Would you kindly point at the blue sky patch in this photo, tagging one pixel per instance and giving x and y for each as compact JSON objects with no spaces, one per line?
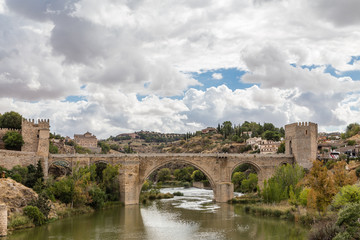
{"x":231,"y":77}
{"x":75,"y":99}
{"x":354,"y":59}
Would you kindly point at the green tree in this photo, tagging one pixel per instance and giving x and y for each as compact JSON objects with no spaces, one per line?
{"x":198,"y":176}
{"x":105,"y":148}
{"x":164,"y":174}
{"x":10,"y":120}
{"x":271,"y":135}
{"x":352,"y":129}
{"x":281,"y":148}
{"x":110,"y":183}
{"x":13,"y":140}
{"x":278,"y":186}
{"x":53,"y":149}
{"x":227,"y":129}
{"x":249,"y":184}
{"x":236,"y":179}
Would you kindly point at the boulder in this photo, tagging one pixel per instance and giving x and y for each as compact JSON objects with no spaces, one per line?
{"x":15,"y":195}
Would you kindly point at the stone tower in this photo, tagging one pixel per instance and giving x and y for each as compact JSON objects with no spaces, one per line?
{"x":301,"y":141}
{"x":36,"y":136}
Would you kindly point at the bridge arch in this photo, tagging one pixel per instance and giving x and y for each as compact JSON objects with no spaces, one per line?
{"x":60,"y":168}
{"x":150,"y":170}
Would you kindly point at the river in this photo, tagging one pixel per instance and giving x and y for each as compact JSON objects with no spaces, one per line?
{"x":192,"y":216}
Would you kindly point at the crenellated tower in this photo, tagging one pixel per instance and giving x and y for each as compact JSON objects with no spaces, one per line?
{"x":301,"y":141}
{"x":36,"y":136}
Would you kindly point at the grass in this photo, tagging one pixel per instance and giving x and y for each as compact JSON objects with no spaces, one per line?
{"x":19,"y":221}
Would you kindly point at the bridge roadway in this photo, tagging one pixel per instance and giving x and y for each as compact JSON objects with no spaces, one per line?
{"x":218,"y":168}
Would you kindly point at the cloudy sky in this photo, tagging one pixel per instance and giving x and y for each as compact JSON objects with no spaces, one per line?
{"x":115,"y":66}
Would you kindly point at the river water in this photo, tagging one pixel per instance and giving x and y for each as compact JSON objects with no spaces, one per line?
{"x":192,"y":216}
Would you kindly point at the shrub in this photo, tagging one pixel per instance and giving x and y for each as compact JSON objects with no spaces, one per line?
{"x":18,"y":220}
{"x":178,"y":194}
{"x":347,"y":194}
{"x":303,"y":196}
{"x":278,"y":186}
{"x":357,"y":171}
{"x":97,"y":197}
{"x":42,"y":203}
{"x":53,"y":149}
{"x":348,"y":221}
{"x":35,"y":215}
{"x":324,"y":230}
{"x":13,"y":140}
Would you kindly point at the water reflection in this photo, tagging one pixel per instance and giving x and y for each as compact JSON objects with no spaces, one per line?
{"x":192,"y":216}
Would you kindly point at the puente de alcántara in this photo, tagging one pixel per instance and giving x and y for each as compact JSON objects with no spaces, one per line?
{"x":300,"y":147}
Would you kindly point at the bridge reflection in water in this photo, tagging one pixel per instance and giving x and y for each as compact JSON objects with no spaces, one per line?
{"x":193,"y":216}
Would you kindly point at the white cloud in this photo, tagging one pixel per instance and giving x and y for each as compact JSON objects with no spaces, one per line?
{"x":217,"y":76}
{"x":121,"y":50}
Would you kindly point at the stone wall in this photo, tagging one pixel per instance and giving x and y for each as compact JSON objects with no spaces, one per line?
{"x":9,"y":159}
{"x":3,"y":220}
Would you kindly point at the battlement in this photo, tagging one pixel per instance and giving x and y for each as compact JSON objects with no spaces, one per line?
{"x":43,"y":123}
{"x":302,"y":124}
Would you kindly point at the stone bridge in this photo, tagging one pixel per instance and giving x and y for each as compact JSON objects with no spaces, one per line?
{"x":136,"y":168}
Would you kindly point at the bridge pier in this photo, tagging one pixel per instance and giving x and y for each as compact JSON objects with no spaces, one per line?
{"x":223,"y":192}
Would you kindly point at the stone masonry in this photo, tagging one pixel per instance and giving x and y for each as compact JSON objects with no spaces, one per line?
{"x":301,"y":142}
{"x":3,"y":220}
{"x":135,"y":168}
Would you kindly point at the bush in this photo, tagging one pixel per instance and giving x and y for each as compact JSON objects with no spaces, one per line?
{"x":18,"y":220}
{"x":357,"y":171}
{"x":35,"y":215}
{"x":347,"y":194}
{"x":13,"y":140}
{"x":53,"y":149}
{"x":348,"y":221}
{"x":98,"y":197}
{"x":278,"y":186}
{"x":42,"y":203}
{"x":178,"y":194}
{"x":324,"y":230}
{"x":303,"y":196}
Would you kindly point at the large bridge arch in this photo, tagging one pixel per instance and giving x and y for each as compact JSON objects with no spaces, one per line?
{"x":148,"y":171}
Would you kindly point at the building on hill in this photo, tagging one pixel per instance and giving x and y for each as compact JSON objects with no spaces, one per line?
{"x":209,"y":130}
{"x":86,"y":140}
{"x":268,"y":146}
{"x":130,"y":135}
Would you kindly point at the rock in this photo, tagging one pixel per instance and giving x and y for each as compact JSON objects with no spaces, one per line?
{"x":15,"y":195}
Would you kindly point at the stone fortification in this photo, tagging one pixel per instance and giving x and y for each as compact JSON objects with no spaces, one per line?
{"x":301,"y":141}
{"x":86,"y":140}
{"x":36,"y":136}
{"x":3,"y":220}
{"x":9,"y":159}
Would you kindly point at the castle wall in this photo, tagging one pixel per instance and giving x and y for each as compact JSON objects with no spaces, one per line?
{"x":3,"y":220}
{"x":9,"y":159}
